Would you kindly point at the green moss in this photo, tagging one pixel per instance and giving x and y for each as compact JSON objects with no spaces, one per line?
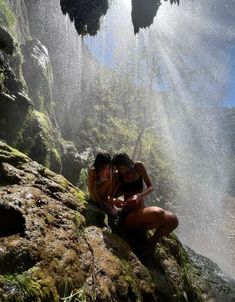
{"x":127,"y":285}
{"x":33,"y":285}
{"x":195,"y":285}
{"x":11,"y":155}
{"x":2,"y":78}
{"x":16,"y":62}
{"x":130,"y":280}
{"x":7,"y":18}
{"x":43,"y":121}
{"x":62,"y":181}
{"x":15,"y":112}
{"x":48,"y":131}
{"x":44,"y":146}
{"x":55,"y":160}
{"x":18,"y":141}
{"x":79,"y":220}
{"x":79,"y":195}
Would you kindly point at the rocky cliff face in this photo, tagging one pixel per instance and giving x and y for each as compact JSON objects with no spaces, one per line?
{"x":27,"y":117}
{"x":53,"y":244}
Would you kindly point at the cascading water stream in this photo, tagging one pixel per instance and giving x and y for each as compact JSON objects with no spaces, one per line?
{"x":183,"y":62}
{"x":184,"y":57}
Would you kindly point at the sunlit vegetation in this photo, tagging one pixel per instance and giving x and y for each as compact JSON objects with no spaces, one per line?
{"x":117,"y":117}
{"x":7,"y":18}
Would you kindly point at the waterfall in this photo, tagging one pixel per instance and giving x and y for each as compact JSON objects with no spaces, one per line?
{"x":22,"y":28}
{"x":56,"y":32}
{"x":184,"y":61}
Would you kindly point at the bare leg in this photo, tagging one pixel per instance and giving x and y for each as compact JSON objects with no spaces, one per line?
{"x":152,"y":218}
{"x":170,"y":223}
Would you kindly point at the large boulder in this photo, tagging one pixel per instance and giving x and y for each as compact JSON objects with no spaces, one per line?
{"x":14,"y":103}
{"x":6,"y":40}
{"x":72,"y":162}
{"x":51,"y":246}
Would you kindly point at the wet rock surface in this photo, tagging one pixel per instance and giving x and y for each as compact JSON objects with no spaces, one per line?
{"x":52,"y":244}
{"x":37,"y":73}
{"x":222,"y":284}
{"x":14,"y":101}
{"x":71,"y":162}
{"x":6,"y":40}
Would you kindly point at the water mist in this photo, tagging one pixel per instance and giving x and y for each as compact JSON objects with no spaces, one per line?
{"x":183,"y":62}
{"x":184,"y":58}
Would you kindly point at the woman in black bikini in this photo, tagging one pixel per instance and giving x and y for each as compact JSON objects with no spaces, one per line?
{"x":132,"y":176}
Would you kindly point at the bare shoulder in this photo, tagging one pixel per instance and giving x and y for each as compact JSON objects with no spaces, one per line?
{"x":139,"y":166}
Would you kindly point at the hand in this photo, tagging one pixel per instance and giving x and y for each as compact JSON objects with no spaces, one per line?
{"x":116,"y":202}
{"x":134,"y":202}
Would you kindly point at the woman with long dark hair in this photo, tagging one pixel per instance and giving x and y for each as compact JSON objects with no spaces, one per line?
{"x":100,"y":178}
{"x":101,"y":182}
{"x":132,"y":177}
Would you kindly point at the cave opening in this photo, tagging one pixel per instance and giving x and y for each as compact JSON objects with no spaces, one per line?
{"x":11,"y":221}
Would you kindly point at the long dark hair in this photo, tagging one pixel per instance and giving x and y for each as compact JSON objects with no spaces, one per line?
{"x":101,"y":160}
{"x":122,"y":159}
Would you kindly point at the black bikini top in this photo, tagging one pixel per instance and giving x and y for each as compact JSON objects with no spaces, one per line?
{"x":132,"y":186}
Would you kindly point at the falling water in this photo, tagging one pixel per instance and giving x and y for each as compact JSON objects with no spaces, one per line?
{"x":183,"y":61}
{"x":184,"y":58}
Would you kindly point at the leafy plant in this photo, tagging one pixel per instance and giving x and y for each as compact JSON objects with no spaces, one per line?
{"x":78,"y":296}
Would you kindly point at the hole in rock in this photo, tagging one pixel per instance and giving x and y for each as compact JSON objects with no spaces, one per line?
{"x":11,"y":221}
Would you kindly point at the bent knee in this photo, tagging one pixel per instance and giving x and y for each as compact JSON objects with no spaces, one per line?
{"x":174,"y":220}
{"x":158,"y":214}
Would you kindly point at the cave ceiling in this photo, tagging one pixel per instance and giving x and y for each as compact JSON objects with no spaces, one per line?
{"x":86,"y":14}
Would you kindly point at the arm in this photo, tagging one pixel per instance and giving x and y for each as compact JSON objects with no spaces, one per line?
{"x":137,"y":200}
{"x":91,"y":185}
{"x":140,"y":168}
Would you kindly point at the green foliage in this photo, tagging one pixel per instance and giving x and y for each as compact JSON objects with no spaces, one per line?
{"x":117,"y":117}
{"x":33,"y":285}
{"x":78,"y":296}
{"x":2,"y":78}
{"x":71,"y":296}
{"x":7,"y":18}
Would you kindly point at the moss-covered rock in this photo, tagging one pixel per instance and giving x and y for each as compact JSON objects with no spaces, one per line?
{"x":71,"y":162}
{"x":33,"y":285}
{"x":7,"y":17}
{"x":54,"y":249}
{"x":40,"y":139}
{"x":26,"y":82}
